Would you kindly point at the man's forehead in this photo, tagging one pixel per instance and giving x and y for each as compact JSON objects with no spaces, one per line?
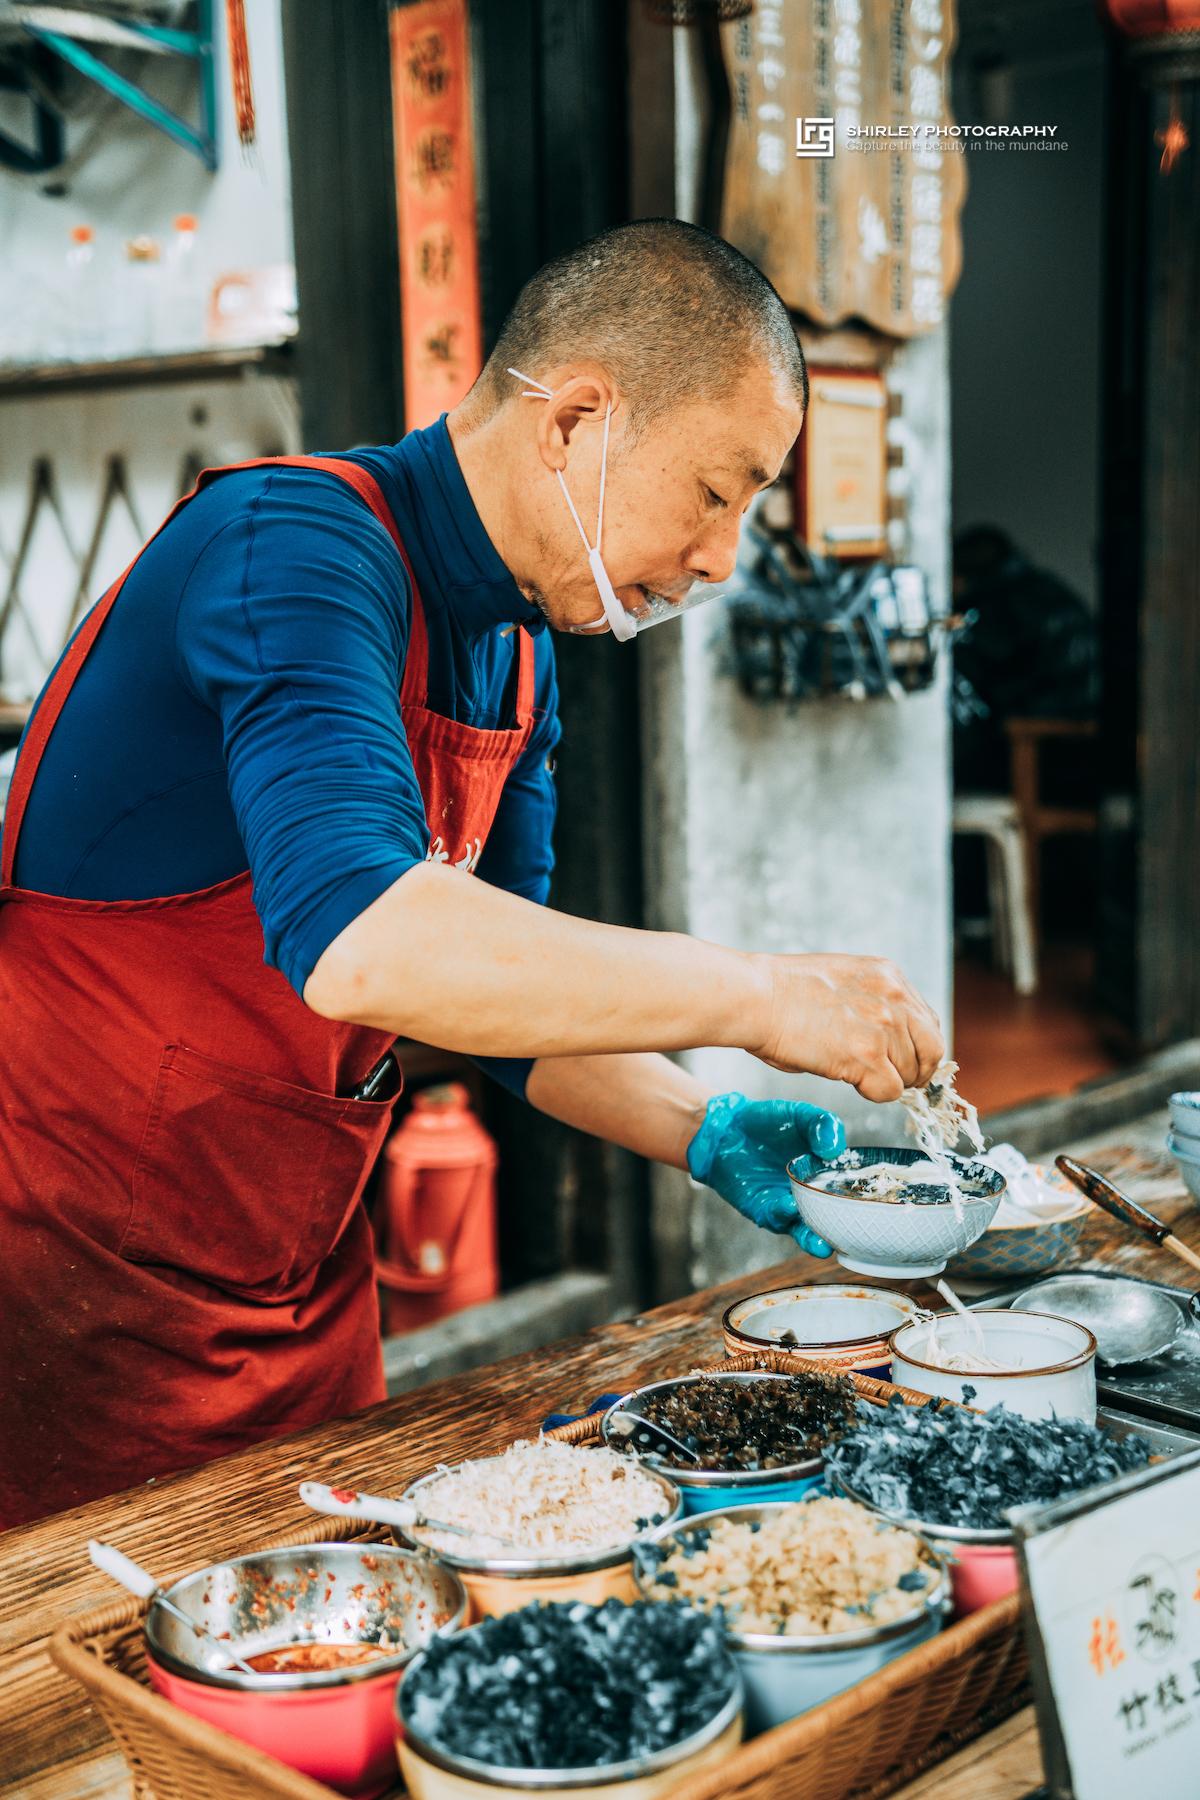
{"x":743,"y":463}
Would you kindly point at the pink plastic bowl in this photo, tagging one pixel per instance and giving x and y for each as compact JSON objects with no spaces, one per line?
{"x":979,"y":1573}
{"x":336,"y":1725}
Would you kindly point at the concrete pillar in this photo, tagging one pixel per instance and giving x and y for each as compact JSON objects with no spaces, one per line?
{"x":821,"y":826}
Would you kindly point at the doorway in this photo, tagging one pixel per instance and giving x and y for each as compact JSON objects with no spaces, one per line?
{"x":1026,"y":332}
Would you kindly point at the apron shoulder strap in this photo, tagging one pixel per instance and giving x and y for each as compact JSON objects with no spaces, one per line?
{"x":54,"y":695}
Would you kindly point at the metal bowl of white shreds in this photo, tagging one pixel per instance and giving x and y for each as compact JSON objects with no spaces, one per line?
{"x":566,"y":1509}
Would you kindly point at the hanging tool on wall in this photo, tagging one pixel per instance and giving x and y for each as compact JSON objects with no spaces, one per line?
{"x":803,"y":625}
{"x":239,"y":69}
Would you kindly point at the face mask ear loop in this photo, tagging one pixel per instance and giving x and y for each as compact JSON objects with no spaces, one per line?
{"x":535,"y":390}
{"x":603,"y":476}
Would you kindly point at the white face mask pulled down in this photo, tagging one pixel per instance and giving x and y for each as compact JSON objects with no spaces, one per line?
{"x":624,"y":622}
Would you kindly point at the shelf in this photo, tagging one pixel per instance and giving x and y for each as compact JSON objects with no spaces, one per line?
{"x":14,"y":715}
{"x":217,"y":364}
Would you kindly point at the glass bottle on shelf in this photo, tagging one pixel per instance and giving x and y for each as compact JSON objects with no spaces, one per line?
{"x":139,"y":297}
{"x":180,"y":322}
{"x":79,"y":337}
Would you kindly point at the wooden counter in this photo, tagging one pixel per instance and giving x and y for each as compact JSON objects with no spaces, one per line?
{"x":53,"y":1746}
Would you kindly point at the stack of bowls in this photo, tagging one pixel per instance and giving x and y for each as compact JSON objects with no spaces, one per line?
{"x":840,"y":1325}
{"x":500,"y":1584}
{"x":334,"y":1725}
{"x":703,"y":1490}
{"x":785,"y":1676}
{"x":1183,"y":1139}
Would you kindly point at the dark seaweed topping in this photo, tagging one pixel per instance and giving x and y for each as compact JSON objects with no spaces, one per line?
{"x":752,"y":1425}
{"x":945,"y":1466}
{"x":569,"y":1687}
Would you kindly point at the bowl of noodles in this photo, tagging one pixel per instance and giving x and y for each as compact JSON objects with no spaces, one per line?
{"x":894,"y":1212}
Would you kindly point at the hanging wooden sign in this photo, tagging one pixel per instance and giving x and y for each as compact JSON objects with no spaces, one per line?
{"x":846,"y":223}
{"x":435,"y":203}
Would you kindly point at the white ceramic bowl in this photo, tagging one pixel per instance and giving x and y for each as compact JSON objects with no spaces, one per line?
{"x":896,"y":1238}
{"x":1049,"y":1363}
{"x":839,"y":1323}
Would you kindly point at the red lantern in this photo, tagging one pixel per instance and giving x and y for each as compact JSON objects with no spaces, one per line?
{"x":1153,"y":18}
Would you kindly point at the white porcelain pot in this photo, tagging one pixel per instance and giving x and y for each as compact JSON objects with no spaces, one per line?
{"x":1049,"y":1363}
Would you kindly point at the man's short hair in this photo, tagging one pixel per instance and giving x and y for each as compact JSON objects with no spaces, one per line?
{"x":672,"y":312}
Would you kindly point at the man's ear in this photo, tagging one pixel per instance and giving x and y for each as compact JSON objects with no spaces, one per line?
{"x":582,"y":400}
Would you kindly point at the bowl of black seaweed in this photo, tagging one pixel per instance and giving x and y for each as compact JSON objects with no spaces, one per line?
{"x":557,"y":1699}
{"x":951,"y":1475}
{"x":757,"y":1436}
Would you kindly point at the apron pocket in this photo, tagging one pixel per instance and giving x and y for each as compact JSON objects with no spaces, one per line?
{"x":245,"y":1181}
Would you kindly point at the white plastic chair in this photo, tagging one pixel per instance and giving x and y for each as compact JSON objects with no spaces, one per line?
{"x":995,"y":818}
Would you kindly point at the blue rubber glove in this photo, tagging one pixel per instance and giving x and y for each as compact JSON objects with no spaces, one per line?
{"x":742,"y":1151}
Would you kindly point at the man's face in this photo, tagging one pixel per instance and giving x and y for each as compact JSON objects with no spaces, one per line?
{"x":674,"y":499}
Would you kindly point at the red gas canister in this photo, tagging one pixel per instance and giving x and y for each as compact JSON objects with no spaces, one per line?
{"x":436,"y":1232}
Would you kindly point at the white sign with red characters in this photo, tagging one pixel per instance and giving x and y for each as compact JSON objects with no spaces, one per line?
{"x":1114,"y":1580}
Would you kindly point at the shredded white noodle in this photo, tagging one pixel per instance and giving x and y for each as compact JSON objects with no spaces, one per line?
{"x":549,"y":1498}
{"x":937,"y":1118}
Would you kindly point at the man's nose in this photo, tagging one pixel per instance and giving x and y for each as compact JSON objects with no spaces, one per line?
{"x":713,"y":557}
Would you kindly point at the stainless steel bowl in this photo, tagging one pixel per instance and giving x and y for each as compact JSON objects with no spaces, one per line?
{"x":934,"y":1601}
{"x":925,"y":1528}
{"x":577,"y":1563}
{"x":326,"y":1593}
{"x":712,"y":1478}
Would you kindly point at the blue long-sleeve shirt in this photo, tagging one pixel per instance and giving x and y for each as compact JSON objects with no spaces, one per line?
{"x":240,"y":708}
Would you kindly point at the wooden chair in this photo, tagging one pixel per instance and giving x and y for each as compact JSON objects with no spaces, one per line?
{"x":1039,"y":820}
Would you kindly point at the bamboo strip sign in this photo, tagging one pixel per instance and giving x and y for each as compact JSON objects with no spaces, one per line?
{"x":847,"y":224}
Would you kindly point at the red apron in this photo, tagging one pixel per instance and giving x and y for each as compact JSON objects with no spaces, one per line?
{"x":185,"y":1259}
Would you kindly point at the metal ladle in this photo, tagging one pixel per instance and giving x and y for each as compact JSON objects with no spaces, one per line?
{"x":1131,"y":1321}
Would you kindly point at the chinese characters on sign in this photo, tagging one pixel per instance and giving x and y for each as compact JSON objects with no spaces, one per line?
{"x":435,"y":203}
{"x":846,"y":226}
{"x":1116,"y":1592}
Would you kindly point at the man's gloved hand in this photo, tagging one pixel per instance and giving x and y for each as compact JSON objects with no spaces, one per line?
{"x":742,"y":1151}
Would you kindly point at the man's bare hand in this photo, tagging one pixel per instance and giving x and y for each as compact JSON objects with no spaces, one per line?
{"x":850,"y":1018}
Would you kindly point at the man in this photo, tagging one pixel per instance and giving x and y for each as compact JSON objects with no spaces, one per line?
{"x":236,"y":863}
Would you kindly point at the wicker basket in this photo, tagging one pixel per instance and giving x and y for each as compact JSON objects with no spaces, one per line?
{"x":860,"y":1745}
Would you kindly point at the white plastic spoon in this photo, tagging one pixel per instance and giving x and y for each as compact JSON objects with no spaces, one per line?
{"x":130,"y":1575}
{"x":348,"y":1503}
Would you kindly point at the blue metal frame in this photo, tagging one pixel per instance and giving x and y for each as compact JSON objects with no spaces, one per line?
{"x":198,"y":45}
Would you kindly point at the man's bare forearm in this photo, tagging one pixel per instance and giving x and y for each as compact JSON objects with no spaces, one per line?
{"x":644,"y":1103}
{"x":451,"y":961}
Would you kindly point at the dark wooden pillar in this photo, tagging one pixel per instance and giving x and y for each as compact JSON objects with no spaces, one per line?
{"x":1150,"y":554}
{"x":552,"y":106}
{"x":339,"y":109}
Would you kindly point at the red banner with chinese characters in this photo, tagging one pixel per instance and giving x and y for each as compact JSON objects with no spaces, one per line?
{"x":435,"y":203}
